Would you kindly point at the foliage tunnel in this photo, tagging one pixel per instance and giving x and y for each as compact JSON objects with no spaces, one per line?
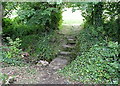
{"x":97,"y":46}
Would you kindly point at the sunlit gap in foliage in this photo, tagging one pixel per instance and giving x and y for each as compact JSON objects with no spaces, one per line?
{"x":13,"y":14}
{"x":72,"y":16}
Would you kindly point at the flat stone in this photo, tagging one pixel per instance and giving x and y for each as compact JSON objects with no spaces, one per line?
{"x":70,"y":40}
{"x":64,"y":57}
{"x":70,"y":37}
{"x":65,"y":53}
{"x":42,"y":63}
{"x":58,"y":63}
{"x":68,"y":46}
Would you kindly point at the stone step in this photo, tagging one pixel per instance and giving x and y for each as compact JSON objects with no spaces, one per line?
{"x":64,"y":57}
{"x":68,"y":46}
{"x":58,"y":63}
{"x":63,"y":53}
{"x":70,"y":37}
{"x":71,"y":41}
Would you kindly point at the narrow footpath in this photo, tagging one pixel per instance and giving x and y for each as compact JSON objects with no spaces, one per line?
{"x":48,"y":74}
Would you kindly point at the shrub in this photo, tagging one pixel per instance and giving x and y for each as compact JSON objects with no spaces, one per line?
{"x":12,"y":53}
{"x":41,"y":47}
{"x":13,"y":29}
{"x":3,"y":77}
{"x":44,"y":49}
{"x":86,"y":39}
{"x":8,"y":26}
{"x":18,"y":31}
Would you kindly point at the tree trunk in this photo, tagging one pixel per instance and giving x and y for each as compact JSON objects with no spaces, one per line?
{"x":0,"y":24}
{"x":0,"y":37}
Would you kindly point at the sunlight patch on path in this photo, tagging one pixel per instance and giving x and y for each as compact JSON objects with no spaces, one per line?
{"x":68,"y":29}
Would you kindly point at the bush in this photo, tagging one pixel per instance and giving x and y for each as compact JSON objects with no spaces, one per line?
{"x":7,"y":27}
{"x":87,"y":38}
{"x":3,"y":78}
{"x":13,"y":29}
{"x":111,"y":29}
{"x":14,"y":51}
{"x":18,"y":31}
{"x":11,"y":54}
{"x":24,"y":30}
{"x":41,"y":47}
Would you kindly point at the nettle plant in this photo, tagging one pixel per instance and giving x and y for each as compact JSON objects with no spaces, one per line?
{"x":13,"y":48}
{"x":3,"y":77}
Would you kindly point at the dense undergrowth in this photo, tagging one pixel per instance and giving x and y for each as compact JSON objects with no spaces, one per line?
{"x":44,"y":47}
{"x":11,"y":53}
{"x":39,"y":47}
{"x":97,"y":60}
{"x":35,"y":25}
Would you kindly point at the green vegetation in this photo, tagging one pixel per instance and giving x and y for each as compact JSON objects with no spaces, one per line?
{"x":3,"y":77}
{"x":12,"y":53}
{"x":35,"y":24}
{"x":36,"y":30}
{"x":97,"y":60}
{"x":14,"y":50}
{"x":97,"y":48}
{"x":43,"y":47}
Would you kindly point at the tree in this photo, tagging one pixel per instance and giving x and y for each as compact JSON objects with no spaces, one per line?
{"x":0,"y":24}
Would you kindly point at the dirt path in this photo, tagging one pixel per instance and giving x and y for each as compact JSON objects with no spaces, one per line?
{"x":36,"y":74}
